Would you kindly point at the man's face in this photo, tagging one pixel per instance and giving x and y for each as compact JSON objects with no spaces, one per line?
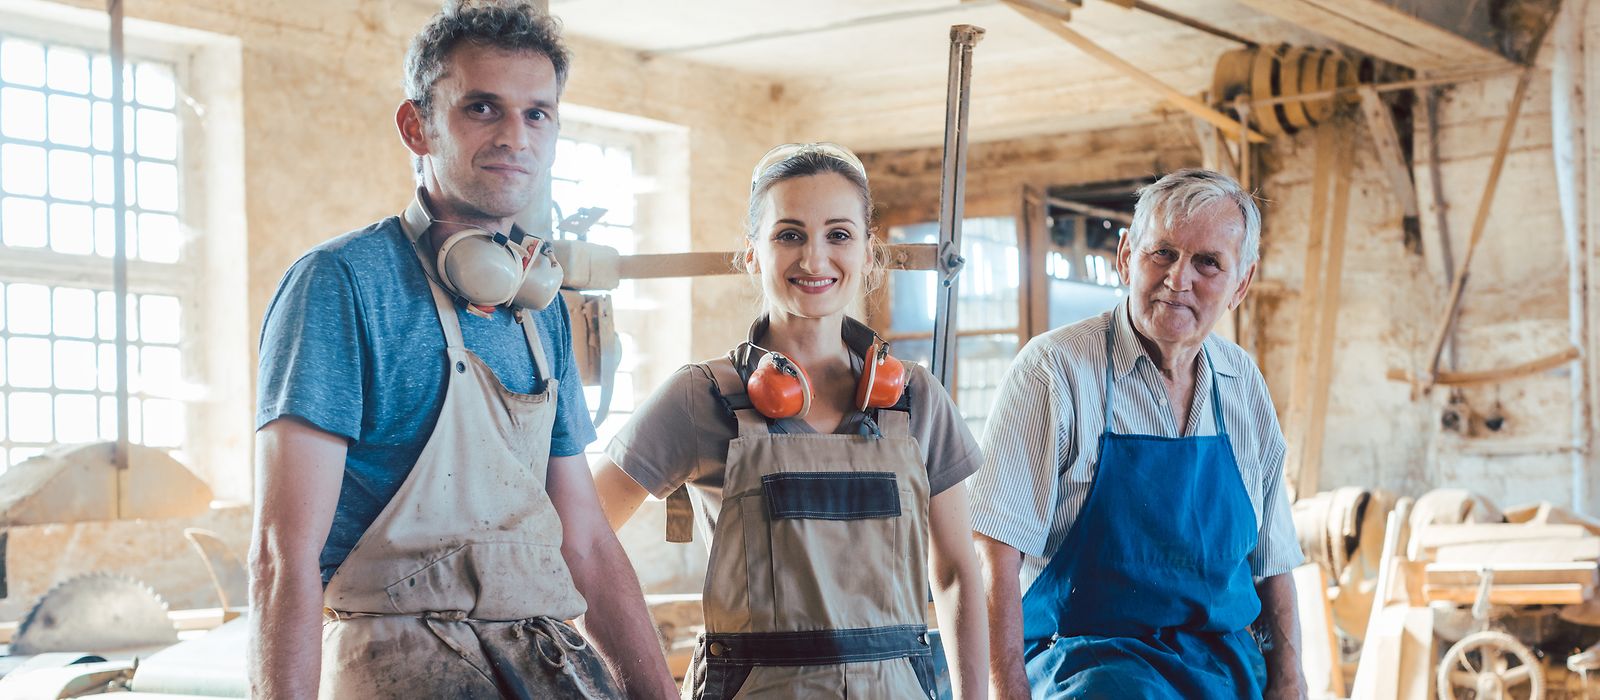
{"x":492,"y":132}
{"x":1180,"y":280}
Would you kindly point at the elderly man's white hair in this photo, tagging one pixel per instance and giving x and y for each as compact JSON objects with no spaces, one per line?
{"x":1180,"y":194}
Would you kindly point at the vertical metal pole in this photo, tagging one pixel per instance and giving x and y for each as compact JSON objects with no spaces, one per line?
{"x":119,"y":261}
{"x":952,"y":196}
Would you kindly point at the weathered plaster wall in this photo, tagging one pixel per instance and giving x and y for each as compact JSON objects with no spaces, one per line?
{"x":1514,"y":308}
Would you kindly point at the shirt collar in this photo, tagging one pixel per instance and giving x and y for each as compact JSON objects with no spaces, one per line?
{"x":1128,"y":350}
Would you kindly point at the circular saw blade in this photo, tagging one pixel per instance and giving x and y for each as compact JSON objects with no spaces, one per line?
{"x":95,"y":612}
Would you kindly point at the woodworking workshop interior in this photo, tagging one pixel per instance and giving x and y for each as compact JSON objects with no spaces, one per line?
{"x":943,"y":349}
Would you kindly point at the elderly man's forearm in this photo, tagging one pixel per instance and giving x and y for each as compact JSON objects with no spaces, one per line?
{"x":1277,"y":631}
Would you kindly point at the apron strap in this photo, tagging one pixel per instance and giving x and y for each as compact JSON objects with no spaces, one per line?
{"x":414,"y":228}
{"x":1110,"y":378}
{"x":731,"y":392}
{"x":1216,"y":394}
{"x":536,"y":345}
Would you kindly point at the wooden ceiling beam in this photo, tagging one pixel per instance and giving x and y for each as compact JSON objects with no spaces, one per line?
{"x":1377,"y":28}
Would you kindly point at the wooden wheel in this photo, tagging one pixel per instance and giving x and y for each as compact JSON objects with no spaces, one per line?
{"x":1490,"y":666}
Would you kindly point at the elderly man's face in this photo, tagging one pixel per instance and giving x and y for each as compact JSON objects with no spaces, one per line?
{"x":1181,"y":279}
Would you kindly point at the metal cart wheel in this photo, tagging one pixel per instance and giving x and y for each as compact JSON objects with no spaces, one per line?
{"x":1490,"y":666}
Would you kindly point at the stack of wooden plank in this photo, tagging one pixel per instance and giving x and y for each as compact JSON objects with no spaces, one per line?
{"x":1533,"y":563}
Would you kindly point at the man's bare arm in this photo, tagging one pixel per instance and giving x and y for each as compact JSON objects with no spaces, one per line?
{"x":617,"y":621}
{"x":1277,"y":630}
{"x":1002,"y":563}
{"x":299,"y":470}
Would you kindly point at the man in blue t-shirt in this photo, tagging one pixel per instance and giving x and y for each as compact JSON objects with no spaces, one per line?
{"x":354,"y":378}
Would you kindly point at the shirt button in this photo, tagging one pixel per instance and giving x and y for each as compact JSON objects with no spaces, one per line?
{"x":461,"y":367}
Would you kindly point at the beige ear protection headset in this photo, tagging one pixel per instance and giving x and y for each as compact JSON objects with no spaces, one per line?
{"x":486,"y":269}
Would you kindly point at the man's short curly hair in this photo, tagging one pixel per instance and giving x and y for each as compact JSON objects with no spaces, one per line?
{"x":503,"y":24}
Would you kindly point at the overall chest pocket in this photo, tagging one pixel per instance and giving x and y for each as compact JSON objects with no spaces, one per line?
{"x":837,"y":543}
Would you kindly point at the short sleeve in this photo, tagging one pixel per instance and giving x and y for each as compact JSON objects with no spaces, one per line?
{"x":1277,"y":548}
{"x":661,"y":443}
{"x":311,"y":348}
{"x":950,"y":449}
{"x":573,"y":429}
{"x":1014,"y":494}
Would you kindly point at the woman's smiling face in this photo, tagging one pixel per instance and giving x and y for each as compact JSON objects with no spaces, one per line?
{"x":810,"y":249}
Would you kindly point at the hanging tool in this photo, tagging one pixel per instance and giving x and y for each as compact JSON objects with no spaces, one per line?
{"x":952,"y":196}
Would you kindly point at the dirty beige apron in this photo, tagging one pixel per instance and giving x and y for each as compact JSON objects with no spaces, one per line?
{"x":459,"y":589}
{"x":817,"y":581}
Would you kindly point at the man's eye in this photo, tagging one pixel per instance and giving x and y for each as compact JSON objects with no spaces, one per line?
{"x":1162,"y":253}
{"x":1209,"y":262}
{"x":480,"y":108}
{"x":537,"y":115}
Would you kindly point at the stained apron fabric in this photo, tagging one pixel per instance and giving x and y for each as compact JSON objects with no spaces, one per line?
{"x":459,"y":588}
{"x":817,"y":581}
{"x":1151,"y":595}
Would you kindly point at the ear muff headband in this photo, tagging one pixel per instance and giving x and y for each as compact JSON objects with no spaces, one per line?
{"x":779,"y":388}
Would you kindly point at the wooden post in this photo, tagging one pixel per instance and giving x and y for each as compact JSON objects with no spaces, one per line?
{"x":1328,"y":321}
{"x":1310,"y":312}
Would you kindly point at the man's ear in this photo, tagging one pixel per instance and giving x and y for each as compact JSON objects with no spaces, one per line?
{"x":1124,"y":253}
{"x":1244,"y":286}
{"x":413,"y":130}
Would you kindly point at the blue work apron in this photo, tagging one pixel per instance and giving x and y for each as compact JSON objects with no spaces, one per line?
{"x":1151,"y":595}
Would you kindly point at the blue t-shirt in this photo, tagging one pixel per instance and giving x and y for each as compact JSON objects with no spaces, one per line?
{"x":352,"y":345}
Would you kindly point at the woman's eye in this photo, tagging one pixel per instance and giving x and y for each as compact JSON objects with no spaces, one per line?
{"x":840,"y":234}
{"x":787,"y":235}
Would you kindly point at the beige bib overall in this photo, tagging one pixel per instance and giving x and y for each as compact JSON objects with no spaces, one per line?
{"x":459,"y":588}
{"x":817,"y":579}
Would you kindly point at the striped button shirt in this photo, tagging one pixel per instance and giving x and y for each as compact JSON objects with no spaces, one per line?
{"x":1042,"y":439}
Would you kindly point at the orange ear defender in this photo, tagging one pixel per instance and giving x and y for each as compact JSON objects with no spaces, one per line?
{"x":778,"y":388}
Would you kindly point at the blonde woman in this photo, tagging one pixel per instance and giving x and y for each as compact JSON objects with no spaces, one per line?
{"x":826,"y":475}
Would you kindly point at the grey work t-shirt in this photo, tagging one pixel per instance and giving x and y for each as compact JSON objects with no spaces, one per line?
{"x":680,"y":435}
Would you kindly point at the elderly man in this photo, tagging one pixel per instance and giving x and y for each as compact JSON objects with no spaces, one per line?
{"x":1134,"y":485}
{"x":426,"y":521}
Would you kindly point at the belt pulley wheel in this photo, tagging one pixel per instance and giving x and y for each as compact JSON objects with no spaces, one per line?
{"x":1231,"y":78}
{"x":1264,"y":85}
{"x":1297,"y":62}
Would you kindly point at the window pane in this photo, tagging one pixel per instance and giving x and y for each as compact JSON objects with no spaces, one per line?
{"x":163,"y":423}
{"x":159,"y":319}
{"x":108,"y":316}
{"x":158,"y":134}
{"x":155,"y":85}
{"x":75,"y":365}
{"x":102,"y":126}
{"x":68,"y":70}
{"x":158,"y":186}
{"x":69,"y":121}
{"x":23,"y":116}
{"x":105,"y":234}
{"x":108,"y":418}
{"x":28,"y":362}
{"x":30,"y":417}
{"x":75,"y":419}
{"x":22,"y":169}
{"x":160,"y":370}
{"x":71,"y":176}
{"x":74,"y":312}
{"x":22,"y":62}
{"x":3,"y":426}
{"x":107,"y":361}
{"x":102,"y":76}
{"x":22,"y":222}
{"x":135,"y":427}
{"x":104,"y":187}
{"x":72,"y":229}
{"x":159,"y":238}
{"x":28,"y":308}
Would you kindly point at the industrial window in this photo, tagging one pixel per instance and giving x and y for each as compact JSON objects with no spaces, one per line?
{"x":600,"y":173}
{"x":57,"y":312}
{"x":987,"y":309}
